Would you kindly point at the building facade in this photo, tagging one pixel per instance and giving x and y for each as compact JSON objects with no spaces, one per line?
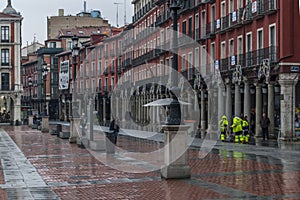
{"x":239,"y":57}
{"x":10,"y":47}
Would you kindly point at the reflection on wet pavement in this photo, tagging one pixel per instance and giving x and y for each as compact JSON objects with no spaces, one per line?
{"x":37,"y":165}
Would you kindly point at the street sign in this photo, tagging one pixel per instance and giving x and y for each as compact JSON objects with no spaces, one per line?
{"x":294,"y":68}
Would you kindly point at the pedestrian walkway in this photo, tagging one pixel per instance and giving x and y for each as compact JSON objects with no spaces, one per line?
{"x":38,"y":165}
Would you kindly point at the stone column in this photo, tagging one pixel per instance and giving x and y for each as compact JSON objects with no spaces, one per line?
{"x":176,"y":152}
{"x":221,"y":101}
{"x":74,"y":129}
{"x":90,"y":121}
{"x":237,"y":100}
{"x":202,"y":113}
{"x":270,"y":113}
{"x":247,"y":98}
{"x":287,"y":105}
{"x":258,"y":114}
{"x":30,"y":121}
{"x":228,"y":103}
{"x":45,"y":124}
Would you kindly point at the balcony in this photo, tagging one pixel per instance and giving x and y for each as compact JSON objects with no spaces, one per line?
{"x":211,"y":30}
{"x":126,"y":63}
{"x":161,"y":19}
{"x":250,"y":59}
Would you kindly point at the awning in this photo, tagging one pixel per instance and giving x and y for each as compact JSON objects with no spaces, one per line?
{"x":164,"y":102}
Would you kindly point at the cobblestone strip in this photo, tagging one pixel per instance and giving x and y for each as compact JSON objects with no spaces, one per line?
{"x":22,"y":181}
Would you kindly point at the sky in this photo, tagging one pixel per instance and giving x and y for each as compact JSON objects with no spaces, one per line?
{"x":35,"y":13}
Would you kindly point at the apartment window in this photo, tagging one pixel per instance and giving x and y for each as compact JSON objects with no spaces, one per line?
{"x":223,"y":50}
{"x":213,"y":51}
{"x":93,"y":68}
{"x":112,"y":82}
{"x":99,"y":68}
{"x":260,"y":39}
{"x":167,"y":34}
{"x":5,"y":81}
{"x":100,"y":52}
{"x":231,"y":47}
{"x":93,"y":84}
{"x":161,"y":67}
{"x":203,"y":22}
{"x":213,"y":13}
{"x":52,"y":45}
{"x":183,"y":63}
{"x":249,"y":42}
{"x":93,"y":54}
{"x":239,"y":49}
{"x":184,"y":27}
{"x":162,"y":36}
{"x":4,"y":33}
{"x":223,"y":9}
{"x":69,"y":45}
{"x":240,"y":3}
{"x":197,"y":58}
{"x":86,"y":70}
{"x":190,"y":65}
{"x":167,"y":66}
{"x":99,"y":84}
{"x":106,"y":50}
{"x":197,"y":26}
{"x":112,"y":64}
{"x":87,"y":84}
{"x":272,"y":35}
{"x":190,"y":26}
{"x":240,"y":45}
{"x":203,"y":60}
{"x":231,"y":6}
{"x":231,"y":52}
{"x":5,"y":57}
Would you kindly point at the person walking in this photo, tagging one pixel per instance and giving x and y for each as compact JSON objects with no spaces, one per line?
{"x":223,"y":126}
{"x":115,"y":128}
{"x":237,"y":128}
{"x":264,"y":123}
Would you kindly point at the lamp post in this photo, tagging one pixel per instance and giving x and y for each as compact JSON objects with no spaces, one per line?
{"x":30,"y":85}
{"x":75,"y":52}
{"x":174,"y":117}
{"x":44,"y":74}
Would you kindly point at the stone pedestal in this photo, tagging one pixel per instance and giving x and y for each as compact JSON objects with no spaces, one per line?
{"x":176,"y":154}
{"x":30,"y":121}
{"x":45,"y":124}
{"x":74,"y":129}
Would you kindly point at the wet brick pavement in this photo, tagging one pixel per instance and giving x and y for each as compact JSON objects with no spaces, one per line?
{"x":37,"y":165}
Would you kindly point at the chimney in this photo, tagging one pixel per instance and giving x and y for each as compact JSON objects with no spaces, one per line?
{"x":84,"y":6}
{"x":60,"y":12}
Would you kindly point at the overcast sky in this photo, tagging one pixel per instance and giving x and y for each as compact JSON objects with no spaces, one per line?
{"x":35,"y":13}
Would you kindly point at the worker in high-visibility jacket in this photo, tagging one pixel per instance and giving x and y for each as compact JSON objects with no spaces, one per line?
{"x":223,"y":126}
{"x":246,"y":134}
{"x":237,"y":128}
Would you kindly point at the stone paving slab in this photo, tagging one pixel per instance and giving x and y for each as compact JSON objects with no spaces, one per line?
{"x":229,"y":171}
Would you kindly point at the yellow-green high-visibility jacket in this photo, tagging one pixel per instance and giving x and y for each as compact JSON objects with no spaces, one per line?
{"x":223,"y":123}
{"x":237,"y":124}
{"x":245,"y":125}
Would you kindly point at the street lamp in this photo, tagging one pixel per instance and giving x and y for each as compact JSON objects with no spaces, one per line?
{"x":174,"y":117}
{"x":44,"y":74}
{"x":30,"y":85}
{"x":75,"y":52}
